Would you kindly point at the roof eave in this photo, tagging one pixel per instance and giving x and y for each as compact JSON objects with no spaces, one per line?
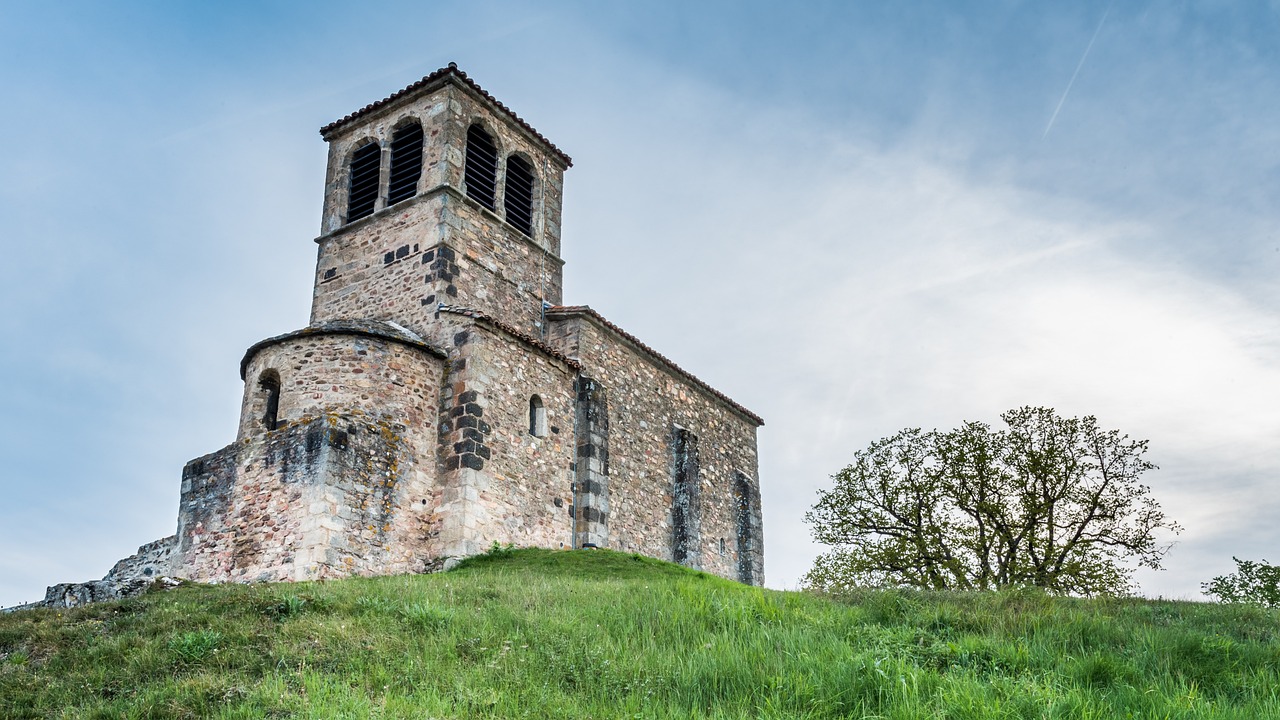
{"x":432,"y":81}
{"x":586,"y":311}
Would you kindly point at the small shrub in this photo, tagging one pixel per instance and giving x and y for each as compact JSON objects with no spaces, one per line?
{"x":17,"y":657}
{"x":1252,"y":582}
{"x":10,"y":637}
{"x":375,"y":605}
{"x":976,"y":655}
{"x":1023,"y":598}
{"x":1210,"y":663}
{"x":288,"y":606}
{"x":425,"y":617}
{"x":1101,"y":671}
{"x":948,"y":621}
{"x":197,"y":646}
{"x":498,"y":550}
{"x":892,"y":606}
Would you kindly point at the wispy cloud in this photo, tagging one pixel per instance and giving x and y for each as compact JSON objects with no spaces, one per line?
{"x":1079,"y":65}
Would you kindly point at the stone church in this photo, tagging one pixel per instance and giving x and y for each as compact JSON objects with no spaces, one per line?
{"x":442,"y":398}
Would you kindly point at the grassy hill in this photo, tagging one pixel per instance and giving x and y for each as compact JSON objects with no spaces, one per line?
{"x":598,"y":634}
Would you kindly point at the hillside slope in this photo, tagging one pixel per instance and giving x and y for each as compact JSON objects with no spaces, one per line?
{"x":598,"y":634}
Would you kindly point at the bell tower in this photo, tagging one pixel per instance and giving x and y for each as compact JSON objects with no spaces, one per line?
{"x":439,"y":194}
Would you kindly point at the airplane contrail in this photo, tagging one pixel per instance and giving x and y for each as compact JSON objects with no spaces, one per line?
{"x":1077,"y":72}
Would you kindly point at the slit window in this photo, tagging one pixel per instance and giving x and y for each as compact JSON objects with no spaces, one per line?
{"x":362,"y":193}
{"x":537,"y":417}
{"x":517,"y":198}
{"x":480,"y":173}
{"x":270,"y":384}
{"x":406,"y":163}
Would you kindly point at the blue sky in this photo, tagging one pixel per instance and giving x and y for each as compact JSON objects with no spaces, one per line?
{"x":851,"y":217}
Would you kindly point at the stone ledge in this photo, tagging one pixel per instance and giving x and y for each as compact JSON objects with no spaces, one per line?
{"x":456,"y":194}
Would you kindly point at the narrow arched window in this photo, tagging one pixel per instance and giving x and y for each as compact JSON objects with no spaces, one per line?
{"x":270,"y":384}
{"x":480,"y":173}
{"x":537,"y":417}
{"x":517,"y":199}
{"x":406,"y":163}
{"x":362,"y":193}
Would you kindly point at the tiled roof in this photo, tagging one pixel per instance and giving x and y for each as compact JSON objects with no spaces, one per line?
{"x":566,"y":311}
{"x":443,"y":75}
{"x":518,"y":334}
{"x":368,"y":328}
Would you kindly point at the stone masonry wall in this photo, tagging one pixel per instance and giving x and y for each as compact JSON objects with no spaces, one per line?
{"x":326,"y":497}
{"x":392,"y":270}
{"x":500,"y":482}
{"x":647,"y":404}
{"x":204,"y":507}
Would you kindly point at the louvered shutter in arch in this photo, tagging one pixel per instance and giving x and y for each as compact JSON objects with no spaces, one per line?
{"x":406,"y":163}
{"x":517,"y":199}
{"x":363,"y":191}
{"x":480,"y":174}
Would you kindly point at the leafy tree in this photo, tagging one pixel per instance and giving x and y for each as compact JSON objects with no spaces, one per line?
{"x":1046,"y":501}
{"x":1252,"y":582}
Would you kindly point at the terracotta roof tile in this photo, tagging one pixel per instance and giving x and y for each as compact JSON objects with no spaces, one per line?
{"x":570,"y":310}
{"x":445,"y":73}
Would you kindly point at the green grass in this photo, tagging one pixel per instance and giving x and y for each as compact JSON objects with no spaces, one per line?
{"x":598,"y":634}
